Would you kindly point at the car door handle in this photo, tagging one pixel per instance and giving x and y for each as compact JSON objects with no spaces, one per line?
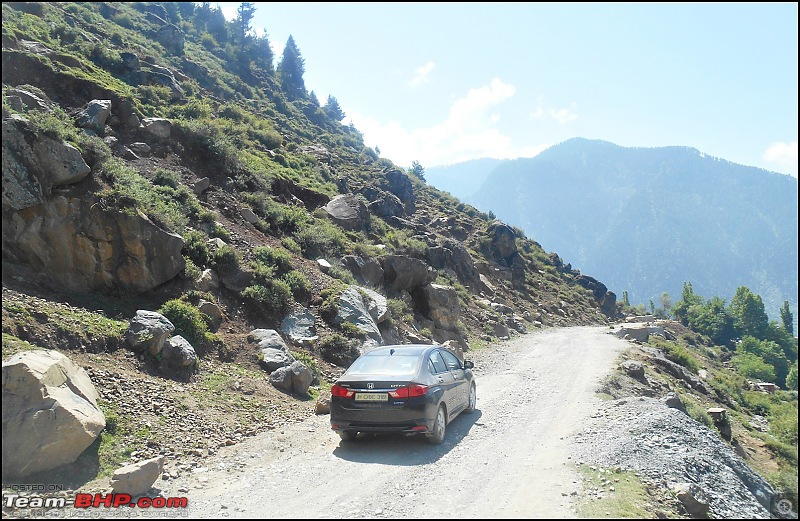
{"x":440,"y":378}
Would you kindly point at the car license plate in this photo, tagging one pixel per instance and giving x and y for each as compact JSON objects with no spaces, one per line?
{"x":372,"y":397}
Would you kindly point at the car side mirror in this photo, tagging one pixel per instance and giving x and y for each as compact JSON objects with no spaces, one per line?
{"x":468,"y":364}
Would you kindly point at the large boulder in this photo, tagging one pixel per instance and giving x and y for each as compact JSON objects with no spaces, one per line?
{"x":299,"y":327}
{"x":504,"y":242}
{"x":387,"y":205}
{"x":398,"y":183}
{"x":273,"y":351}
{"x":406,"y":273}
{"x":597,"y":288}
{"x":84,"y":246}
{"x":295,"y":378}
{"x":609,"y":304}
{"x":178,"y":354}
{"x":639,"y":331}
{"x":159,"y":128}
{"x":94,"y":115}
{"x":171,"y":37}
{"x":452,"y":254}
{"x":440,"y":304}
{"x":33,"y":164}
{"x":348,"y":211}
{"x":355,"y":305}
{"x":365,"y":270}
{"x":50,"y":412}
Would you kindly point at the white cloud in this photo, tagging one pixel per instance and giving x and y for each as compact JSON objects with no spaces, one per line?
{"x":421,"y":74}
{"x":538,"y":113}
{"x":564,"y":116}
{"x":784,"y":155}
{"x":467,"y":133}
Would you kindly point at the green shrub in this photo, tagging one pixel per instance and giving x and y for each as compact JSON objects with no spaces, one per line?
{"x":697,"y":411}
{"x":330,"y":303}
{"x":208,"y":41}
{"x":161,"y":203}
{"x":165,"y":177}
{"x":224,"y":259}
{"x":193,"y":109}
{"x":753,"y":366}
{"x":154,"y":96}
{"x":298,"y":284}
{"x":273,"y":294}
{"x":342,"y":273}
{"x":208,"y":143}
{"x":308,"y":361}
{"x":676,"y":353}
{"x":783,"y":422}
{"x":218,"y":230}
{"x":195,"y":247}
{"x":291,"y":245}
{"x":189,"y":321}
{"x":399,"y":310}
{"x":190,"y":269}
{"x":320,"y":239}
{"x":275,"y":258}
{"x":351,"y":330}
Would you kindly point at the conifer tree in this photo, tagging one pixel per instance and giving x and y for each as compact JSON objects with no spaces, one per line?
{"x":787,"y":318}
{"x":291,"y":70}
{"x":244,"y":17}
{"x":417,"y":170}
{"x":333,"y":109}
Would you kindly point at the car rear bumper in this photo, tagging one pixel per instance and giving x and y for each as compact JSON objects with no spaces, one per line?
{"x":407,"y":419}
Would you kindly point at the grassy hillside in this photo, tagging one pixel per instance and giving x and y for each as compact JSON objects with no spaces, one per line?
{"x":262,"y":145}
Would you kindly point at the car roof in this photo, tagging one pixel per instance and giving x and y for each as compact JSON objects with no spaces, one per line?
{"x":408,"y":349}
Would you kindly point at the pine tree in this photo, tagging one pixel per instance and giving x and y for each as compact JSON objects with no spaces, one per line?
{"x":417,"y":170}
{"x":333,"y":109}
{"x":217,"y":26}
{"x":291,"y":70}
{"x":262,"y":52}
{"x":244,"y":16}
{"x":787,"y":318}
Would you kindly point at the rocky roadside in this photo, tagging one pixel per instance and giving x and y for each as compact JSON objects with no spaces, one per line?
{"x":672,"y":453}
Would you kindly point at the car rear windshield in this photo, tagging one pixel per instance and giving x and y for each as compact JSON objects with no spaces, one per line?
{"x":395,"y":365}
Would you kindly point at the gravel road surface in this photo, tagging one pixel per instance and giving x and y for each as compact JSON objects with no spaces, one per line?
{"x":508,"y":459}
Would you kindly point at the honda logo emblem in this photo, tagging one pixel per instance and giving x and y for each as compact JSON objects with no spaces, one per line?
{"x":370,"y":386}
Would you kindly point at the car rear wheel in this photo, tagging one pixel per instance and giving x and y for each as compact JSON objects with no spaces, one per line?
{"x":348,"y":435}
{"x":473,"y":399}
{"x":439,"y":427}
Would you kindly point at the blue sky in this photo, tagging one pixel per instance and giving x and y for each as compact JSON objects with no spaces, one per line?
{"x":447,"y":82}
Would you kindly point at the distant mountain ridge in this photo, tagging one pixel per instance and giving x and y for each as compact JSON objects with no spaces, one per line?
{"x":645,"y":220}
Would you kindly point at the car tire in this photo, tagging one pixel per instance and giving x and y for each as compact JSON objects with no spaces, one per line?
{"x":439,"y":427}
{"x":348,"y":435}
{"x":472,"y":401}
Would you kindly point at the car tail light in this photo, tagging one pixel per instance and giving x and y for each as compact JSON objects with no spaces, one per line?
{"x":410,"y":391}
{"x":341,"y":392}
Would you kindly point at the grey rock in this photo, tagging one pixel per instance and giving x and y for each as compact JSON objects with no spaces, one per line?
{"x":148,"y":330}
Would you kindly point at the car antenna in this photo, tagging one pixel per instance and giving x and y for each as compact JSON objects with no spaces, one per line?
{"x":391,"y":352}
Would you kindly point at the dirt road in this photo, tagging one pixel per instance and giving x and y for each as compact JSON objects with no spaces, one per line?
{"x":508,"y":459}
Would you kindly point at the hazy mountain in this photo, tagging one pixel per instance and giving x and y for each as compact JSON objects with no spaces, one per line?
{"x":645,"y":220}
{"x":462,"y":179}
